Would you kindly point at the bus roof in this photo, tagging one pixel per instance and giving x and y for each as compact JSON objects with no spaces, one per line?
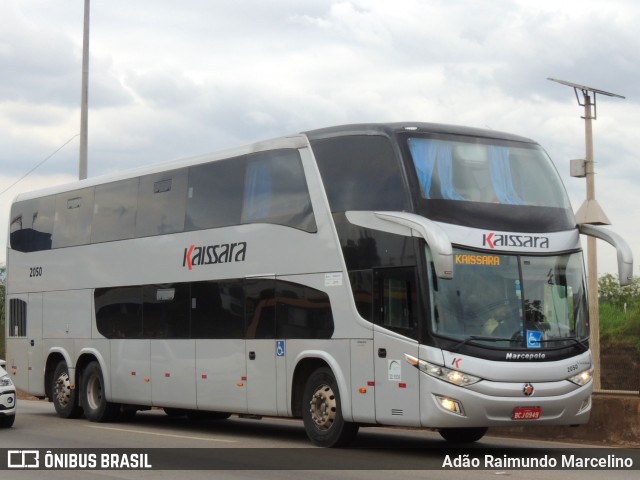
{"x":417,"y":127}
{"x":292,"y":141}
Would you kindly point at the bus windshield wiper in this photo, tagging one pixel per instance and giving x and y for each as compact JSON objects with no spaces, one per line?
{"x":577,"y":342}
{"x":479,"y":338}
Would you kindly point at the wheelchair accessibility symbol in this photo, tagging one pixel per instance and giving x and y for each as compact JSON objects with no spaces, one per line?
{"x":533,"y":338}
{"x":280,"y":348}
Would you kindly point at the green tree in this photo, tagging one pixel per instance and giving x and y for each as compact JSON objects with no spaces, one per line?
{"x":610,"y":291}
{"x":619,"y":312}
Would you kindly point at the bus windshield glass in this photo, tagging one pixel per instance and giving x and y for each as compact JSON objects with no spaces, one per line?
{"x":512,"y":301}
{"x":486,"y":170}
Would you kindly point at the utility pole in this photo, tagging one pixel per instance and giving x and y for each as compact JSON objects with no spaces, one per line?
{"x":84,"y":101}
{"x":590,"y":213}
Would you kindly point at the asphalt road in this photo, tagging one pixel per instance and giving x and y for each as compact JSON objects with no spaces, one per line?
{"x":240,"y":448}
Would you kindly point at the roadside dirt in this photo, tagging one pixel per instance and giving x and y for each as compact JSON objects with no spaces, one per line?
{"x":620,"y":368}
{"x":25,"y":396}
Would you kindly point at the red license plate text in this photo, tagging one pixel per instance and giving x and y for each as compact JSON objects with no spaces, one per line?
{"x":526,"y":413}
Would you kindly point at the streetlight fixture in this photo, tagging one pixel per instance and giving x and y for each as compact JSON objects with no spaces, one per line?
{"x":590,"y":213}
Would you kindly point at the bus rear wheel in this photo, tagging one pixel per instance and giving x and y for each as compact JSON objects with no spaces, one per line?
{"x":322,"y":411}
{"x":64,"y":395}
{"x":94,"y":401}
{"x":463,"y":435}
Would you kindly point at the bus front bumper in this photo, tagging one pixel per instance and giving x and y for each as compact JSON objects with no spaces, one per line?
{"x":492,"y":404}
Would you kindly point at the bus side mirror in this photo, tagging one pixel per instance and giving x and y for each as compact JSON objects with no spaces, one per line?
{"x":433,"y":234}
{"x":411,"y":225}
{"x":625,"y":256}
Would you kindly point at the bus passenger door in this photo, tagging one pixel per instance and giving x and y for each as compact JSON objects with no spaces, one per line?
{"x":397,"y":389}
{"x":34,"y":347}
{"x":217,"y":323}
{"x":261,"y":377}
{"x":261,"y":354}
{"x":17,"y":341}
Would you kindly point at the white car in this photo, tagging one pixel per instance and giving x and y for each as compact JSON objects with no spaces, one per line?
{"x":7,"y":400}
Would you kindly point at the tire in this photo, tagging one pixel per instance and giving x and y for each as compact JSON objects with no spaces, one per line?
{"x":175,"y":412}
{"x":322,"y":411}
{"x":463,"y":435}
{"x":126,"y":415}
{"x":94,"y":402}
{"x":64,"y":395}
{"x":7,"y":422}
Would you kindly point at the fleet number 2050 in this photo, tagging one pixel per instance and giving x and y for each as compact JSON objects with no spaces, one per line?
{"x":35,"y":272}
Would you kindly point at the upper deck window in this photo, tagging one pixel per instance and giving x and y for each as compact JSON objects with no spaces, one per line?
{"x":275,"y":191}
{"x":31,"y":226}
{"x":482,"y":182}
{"x":74,"y":213}
{"x":360,"y":172}
{"x":479,"y":170}
{"x":264,"y":187}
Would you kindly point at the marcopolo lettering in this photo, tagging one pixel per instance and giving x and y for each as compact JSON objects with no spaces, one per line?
{"x":496,"y":240}
{"x":525,"y":356}
{"x":214,"y":254}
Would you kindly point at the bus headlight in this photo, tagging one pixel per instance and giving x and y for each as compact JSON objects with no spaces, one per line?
{"x":583,"y":377}
{"x":5,"y":381}
{"x":443,"y":373}
{"x":450,"y":405}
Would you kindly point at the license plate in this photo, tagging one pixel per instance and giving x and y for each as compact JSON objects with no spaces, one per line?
{"x":526,"y":413}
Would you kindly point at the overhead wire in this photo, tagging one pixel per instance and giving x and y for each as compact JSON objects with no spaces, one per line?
{"x":38,"y":165}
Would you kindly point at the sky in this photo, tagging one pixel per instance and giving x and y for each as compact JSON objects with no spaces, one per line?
{"x":171,"y":79}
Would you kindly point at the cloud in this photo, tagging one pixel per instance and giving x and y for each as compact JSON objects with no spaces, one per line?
{"x":170,"y":81}
{"x":38,"y":65}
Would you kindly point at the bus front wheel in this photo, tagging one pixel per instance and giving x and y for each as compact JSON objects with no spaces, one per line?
{"x":64,"y":395}
{"x":463,"y":435}
{"x":322,"y":411}
{"x":94,"y":401}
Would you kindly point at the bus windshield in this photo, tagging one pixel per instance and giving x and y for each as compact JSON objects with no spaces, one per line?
{"x":512,"y":301}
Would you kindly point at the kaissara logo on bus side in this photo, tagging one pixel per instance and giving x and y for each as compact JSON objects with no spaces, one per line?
{"x":495,"y":240}
{"x":214,"y":254}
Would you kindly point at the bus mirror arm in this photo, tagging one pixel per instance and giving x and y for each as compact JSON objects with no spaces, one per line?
{"x":410,"y":224}
{"x":625,"y":256}
{"x":433,"y":234}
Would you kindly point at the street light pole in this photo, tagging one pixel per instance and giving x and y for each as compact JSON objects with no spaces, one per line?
{"x":84,"y":101}
{"x":591,"y":213}
{"x":592,"y":252}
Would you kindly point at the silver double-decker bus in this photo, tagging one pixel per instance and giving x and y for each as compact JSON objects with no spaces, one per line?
{"x":410,"y":274}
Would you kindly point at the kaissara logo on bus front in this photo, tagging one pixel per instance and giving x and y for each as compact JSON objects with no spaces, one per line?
{"x":496,"y":240}
{"x":214,"y":254}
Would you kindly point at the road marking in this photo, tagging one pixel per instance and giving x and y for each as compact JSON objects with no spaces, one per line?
{"x":187,"y":437}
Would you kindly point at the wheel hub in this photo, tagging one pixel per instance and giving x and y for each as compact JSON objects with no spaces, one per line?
{"x":323,"y":407}
{"x":63,"y":390}
{"x":94,"y":392}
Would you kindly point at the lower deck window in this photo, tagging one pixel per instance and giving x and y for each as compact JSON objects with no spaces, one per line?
{"x":227,"y":309}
